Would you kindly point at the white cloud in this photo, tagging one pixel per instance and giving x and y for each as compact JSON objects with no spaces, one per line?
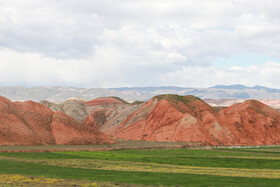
{"x":266,"y":74}
{"x":138,"y":43}
{"x":99,"y":71}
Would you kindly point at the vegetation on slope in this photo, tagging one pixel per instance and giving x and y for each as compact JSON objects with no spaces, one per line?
{"x":120,"y":99}
{"x":178,"y":98}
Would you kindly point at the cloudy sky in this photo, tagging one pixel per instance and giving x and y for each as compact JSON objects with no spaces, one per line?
{"x":116,"y":43}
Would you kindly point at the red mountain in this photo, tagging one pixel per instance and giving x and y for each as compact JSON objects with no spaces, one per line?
{"x":163,"y":118}
{"x":104,"y":101}
{"x":252,"y":123}
{"x":187,"y":118}
{"x":30,"y":123}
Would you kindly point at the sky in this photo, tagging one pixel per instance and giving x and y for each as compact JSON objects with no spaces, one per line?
{"x":123,"y":43}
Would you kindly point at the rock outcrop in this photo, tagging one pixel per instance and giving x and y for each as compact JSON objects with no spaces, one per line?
{"x":72,"y":108}
{"x":30,"y":123}
{"x":106,"y":118}
{"x":80,"y":110}
{"x":102,"y":114}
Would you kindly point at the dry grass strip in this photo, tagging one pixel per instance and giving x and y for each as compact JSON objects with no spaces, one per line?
{"x":155,"y":167}
{"x":21,"y":180}
{"x":163,"y":168}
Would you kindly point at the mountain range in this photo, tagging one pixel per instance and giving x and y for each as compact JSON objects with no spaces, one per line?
{"x":57,"y":94}
{"x":168,"y":118}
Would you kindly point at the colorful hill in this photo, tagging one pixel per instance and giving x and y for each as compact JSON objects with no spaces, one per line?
{"x":188,"y":118}
{"x":170,"y":118}
{"x":105,"y":101}
{"x":30,"y":123}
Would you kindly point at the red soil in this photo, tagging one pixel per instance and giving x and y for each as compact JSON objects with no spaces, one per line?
{"x":96,"y":118}
{"x":174,"y":118}
{"x":252,"y":123}
{"x":103,"y":101}
{"x":162,"y":120}
{"x":30,"y":123}
{"x":169,"y":118}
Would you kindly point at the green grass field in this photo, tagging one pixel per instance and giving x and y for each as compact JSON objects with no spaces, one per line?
{"x":155,"y":167}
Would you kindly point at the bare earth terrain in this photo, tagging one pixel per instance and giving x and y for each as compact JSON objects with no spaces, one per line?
{"x":164,"y":118}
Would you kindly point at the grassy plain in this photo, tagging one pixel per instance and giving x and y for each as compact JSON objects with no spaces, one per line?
{"x":155,"y":167}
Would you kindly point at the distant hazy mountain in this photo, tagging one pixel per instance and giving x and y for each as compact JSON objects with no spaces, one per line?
{"x":235,"y":86}
{"x":242,"y":87}
{"x":57,"y":94}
